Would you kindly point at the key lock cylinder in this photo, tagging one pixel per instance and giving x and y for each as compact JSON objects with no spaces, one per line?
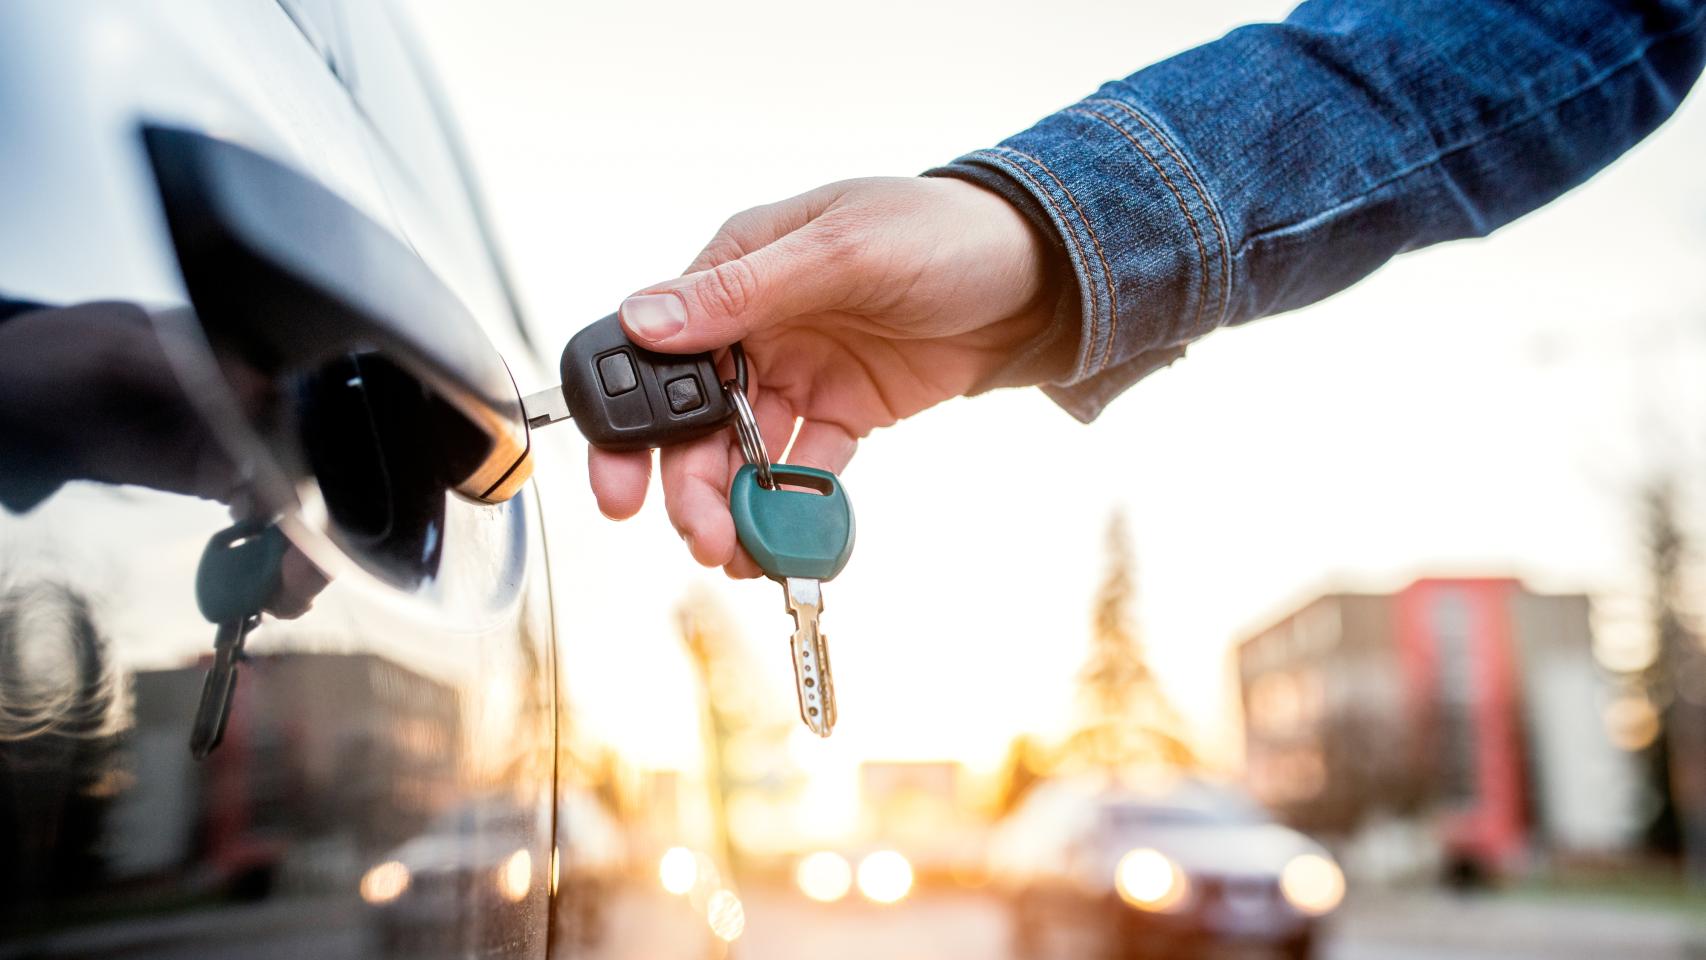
{"x":795,"y":521}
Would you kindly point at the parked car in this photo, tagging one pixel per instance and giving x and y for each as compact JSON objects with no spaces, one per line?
{"x":1174,"y":870}
{"x":257,"y":352}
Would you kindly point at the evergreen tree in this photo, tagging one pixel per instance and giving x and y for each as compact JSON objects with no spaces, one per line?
{"x":1128,"y":721}
{"x":1666,"y":551}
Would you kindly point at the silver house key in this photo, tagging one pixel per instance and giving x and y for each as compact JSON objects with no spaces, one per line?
{"x":812,"y":679}
{"x":239,"y":572}
{"x":797,"y":524}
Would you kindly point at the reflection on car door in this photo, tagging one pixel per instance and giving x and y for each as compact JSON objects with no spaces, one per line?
{"x":384,"y":781}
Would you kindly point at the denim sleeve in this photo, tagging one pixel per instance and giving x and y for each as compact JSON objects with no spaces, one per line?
{"x":1282,"y":163}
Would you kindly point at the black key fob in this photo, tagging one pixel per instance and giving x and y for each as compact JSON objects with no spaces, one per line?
{"x":624,"y":397}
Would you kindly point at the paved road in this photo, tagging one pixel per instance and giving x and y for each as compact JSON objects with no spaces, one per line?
{"x":784,"y":926}
{"x":1514,"y":928}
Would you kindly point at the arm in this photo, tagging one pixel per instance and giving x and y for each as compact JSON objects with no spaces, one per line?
{"x":1282,"y":163}
{"x":1252,"y":175}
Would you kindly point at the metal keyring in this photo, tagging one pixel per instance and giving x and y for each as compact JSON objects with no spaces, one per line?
{"x":746,"y":428}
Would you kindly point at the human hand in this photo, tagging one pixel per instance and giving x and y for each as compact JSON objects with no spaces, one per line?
{"x":859,"y":303}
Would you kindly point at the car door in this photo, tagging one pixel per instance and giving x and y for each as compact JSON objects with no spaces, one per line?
{"x":383,"y":785}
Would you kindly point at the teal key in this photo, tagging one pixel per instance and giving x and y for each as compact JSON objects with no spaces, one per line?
{"x":239,"y":572}
{"x":800,"y":537}
{"x":793,"y":533}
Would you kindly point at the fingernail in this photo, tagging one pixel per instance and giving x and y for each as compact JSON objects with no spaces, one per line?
{"x":654,"y":316}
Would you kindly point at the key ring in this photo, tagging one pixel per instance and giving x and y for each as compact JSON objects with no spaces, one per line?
{"x":746,"y":424}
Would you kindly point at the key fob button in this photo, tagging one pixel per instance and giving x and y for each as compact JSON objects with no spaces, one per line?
{"x":684,"y":394}
{"x":625,"y":397}
{"x":616,"y":371}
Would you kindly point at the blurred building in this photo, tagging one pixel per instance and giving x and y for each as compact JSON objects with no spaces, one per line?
{"x":1688,"y":759}
{"x":920,"y":808}
{"x":1470,"y":707}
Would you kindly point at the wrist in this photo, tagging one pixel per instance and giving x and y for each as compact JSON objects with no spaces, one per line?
{"x":1040,"y":340}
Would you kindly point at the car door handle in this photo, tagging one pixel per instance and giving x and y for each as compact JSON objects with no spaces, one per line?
{"x":290,"y":274}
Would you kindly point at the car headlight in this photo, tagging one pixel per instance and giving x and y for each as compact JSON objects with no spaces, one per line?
{"x":515,"y":877}
{"x":885,"y":877}
{"x":1313,"y":884}
{"x":384,"y":882}
{"x":1148,"y":880}
{"x":678,"y":870}
{"x":824,"y":876}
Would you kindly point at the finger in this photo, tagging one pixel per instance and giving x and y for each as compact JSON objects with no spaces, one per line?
{"x":824,"y":445}
{"x":762,"y":225}
{"x":802,"y":273}
{"x":695,"y":494}
{"x":776,"y":422}
{"x":299,"y":582}
{"x":742,"y":567}
{"x":619,"y":480}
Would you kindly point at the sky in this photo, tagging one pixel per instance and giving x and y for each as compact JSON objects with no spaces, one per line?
{"x":1482,"y":407}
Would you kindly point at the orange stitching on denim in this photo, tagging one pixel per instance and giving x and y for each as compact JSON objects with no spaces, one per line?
{"x":1202,"y":194}
{"x":1071,"y":234}
{"x":1179,"y":198}
{"x":1107,"y":274}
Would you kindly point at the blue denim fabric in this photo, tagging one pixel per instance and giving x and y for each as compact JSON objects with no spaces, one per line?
{"x":1285,"y":161}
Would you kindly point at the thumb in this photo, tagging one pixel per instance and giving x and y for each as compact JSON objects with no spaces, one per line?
{"x":713,"y":308}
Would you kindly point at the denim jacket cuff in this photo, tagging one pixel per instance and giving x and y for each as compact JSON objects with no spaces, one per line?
{"x":1145,"y":243}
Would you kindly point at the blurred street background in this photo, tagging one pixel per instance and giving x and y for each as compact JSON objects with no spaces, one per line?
{"x":1376,"y":630}
{"x":1371,"y":631}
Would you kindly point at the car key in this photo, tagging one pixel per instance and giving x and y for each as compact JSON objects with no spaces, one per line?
{"x":800,"y":538}
{"x":625,"y":397}
{"x":240,"y":570}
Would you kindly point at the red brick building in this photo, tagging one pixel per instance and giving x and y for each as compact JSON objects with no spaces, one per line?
{"x":1472,"y":705}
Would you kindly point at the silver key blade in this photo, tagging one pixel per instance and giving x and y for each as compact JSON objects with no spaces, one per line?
{"x":811,"y":656}
{"x":214,"y":709}
{"x":546,"y":407}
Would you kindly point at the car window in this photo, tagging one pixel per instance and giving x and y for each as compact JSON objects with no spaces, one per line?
{"x":429,"y":186}
{"x":319,"y":22}
{"x":1197,"y":809}
{"x":1131,"y":816}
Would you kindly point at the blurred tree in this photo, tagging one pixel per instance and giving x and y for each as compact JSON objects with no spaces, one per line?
{"x":1027,"y":762}
{"x":746,"y":736}
{"x":1675,"y":761}
{"x":1128,"y":721}
{"x":1665,"y":550}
